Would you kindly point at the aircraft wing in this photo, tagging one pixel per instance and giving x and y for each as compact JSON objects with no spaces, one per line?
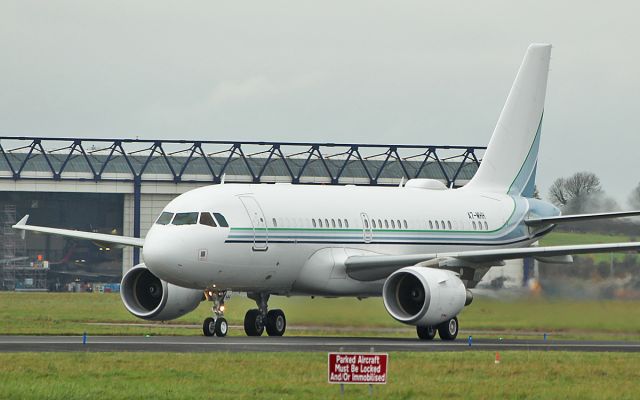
{"x":96,"y":237}
{"x":379,"y":267}
{"x":579,"y":217}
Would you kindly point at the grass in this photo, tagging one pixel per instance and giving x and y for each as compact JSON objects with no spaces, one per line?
{"x":464,"y":375}
{"x":70,"y":313}
{"x":569,"y":238}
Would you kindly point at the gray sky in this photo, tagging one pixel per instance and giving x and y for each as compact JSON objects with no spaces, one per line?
{"x":413,"y":72}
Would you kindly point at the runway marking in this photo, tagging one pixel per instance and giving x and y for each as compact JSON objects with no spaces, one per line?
{"x":291,"y":344}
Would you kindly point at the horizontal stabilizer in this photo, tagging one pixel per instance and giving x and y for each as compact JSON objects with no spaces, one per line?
{"x":96,"y":237}
{"x":580,"y":217}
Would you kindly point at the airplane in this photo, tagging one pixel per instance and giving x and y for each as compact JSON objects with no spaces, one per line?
{"x":422,"y":246}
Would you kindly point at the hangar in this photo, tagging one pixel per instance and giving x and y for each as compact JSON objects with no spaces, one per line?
{"x":120,"y":186}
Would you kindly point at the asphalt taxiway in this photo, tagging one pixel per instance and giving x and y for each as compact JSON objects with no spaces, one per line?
{"x":195,"y":344}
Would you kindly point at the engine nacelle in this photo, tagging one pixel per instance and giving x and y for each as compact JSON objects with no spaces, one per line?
{"x":148,"y":297}
{"x":423,"y":296}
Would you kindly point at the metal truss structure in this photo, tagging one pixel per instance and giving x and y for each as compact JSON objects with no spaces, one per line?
{"x":179,"y":161}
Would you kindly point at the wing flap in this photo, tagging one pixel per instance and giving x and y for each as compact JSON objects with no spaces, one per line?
{"x":96,"y":237}
{"x":378,"y":267}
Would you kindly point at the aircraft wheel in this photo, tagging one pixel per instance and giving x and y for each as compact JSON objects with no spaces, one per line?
{"x":448,"y":330}
{"x":209,"y":326}
{"x":253,"y":323}
{"x":221,"y":327}
{"x":276,"y":323}
{"x":427,"y":332}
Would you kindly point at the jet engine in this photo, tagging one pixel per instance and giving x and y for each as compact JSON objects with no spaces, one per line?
{"x":148,"y":297}
{"x":424,"y":296}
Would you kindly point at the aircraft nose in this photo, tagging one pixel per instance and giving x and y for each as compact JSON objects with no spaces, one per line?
{"x":162,"y":254}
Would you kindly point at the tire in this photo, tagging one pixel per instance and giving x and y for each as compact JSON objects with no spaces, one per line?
{"x":209,"y":326}
{"x":253,"y":324}
{"x":448,"y":330}
{"x":276,"y":323}
{"x":427,"y":332}
{"x":222,"y":327}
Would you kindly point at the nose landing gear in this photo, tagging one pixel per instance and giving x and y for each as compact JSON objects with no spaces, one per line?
{"x":218,"y":324}
{"x":256,"y":320}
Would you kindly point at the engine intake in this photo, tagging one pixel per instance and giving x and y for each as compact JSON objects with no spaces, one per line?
{"x":148,"y":297}
{"x":423,"y":296}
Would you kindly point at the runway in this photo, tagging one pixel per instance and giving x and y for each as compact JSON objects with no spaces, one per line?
{"x":195,"y":344}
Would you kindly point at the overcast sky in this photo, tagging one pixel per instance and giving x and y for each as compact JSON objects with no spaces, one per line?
{"x":415,"y":72}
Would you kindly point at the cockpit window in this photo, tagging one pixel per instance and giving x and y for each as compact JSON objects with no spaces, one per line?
{"x":207,"y":219}
{"x":189,"y":218}
{"x":164,"y":218}
{"x":221,"y":220}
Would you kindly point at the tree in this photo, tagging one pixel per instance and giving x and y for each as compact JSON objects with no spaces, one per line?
{"x":558,"y":192}
{"x":634,"y":198}
{"x":578,"y":193}
{"x":536,"y":193}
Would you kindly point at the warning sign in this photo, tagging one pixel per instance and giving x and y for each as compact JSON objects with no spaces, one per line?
{"x":367,"y":368}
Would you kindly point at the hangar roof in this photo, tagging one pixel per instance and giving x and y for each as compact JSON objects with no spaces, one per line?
{"x":209,"y":161}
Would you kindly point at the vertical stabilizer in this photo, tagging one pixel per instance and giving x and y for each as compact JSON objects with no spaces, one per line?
{"x":509,"y":164}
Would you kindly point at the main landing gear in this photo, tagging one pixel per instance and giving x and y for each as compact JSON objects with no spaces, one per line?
{"x":448,"y":330}
{"x":259,"y":319}
{"x":218,"y":324}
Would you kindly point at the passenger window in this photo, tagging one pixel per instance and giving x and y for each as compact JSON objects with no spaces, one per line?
{"x":393,"y":225}
{"x":486,"y":226}
{"x":189,"y":218}
{"x":346,"y":223}
{"x":443,"y":226}
{"x":474,"y":225}
{"x":333,"y":222}
{"x":326,"y":222}
{"x":437,"y":225}
{"x":221,"y":220}
{"x":373,"y":223}
{"x":405,"y":224}
{"x":366,"y":224}
{"x":207,"y":219}
{"x":386,"y":224}
{"x":430,"y":224}
{"x":449,"y":224}
{"x":399,"y":224}
{"x":313,"y":222}
{"x":339,"y":223}
{"x":380,"y":223}
{"x":164,"y":218}
{"x":320,"y":222}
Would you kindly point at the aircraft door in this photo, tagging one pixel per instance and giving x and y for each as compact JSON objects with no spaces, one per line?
{"x":258,"y":222}
{"x":367,"y":233}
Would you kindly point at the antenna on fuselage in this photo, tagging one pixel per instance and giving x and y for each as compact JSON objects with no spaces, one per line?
{"x":401,"y":182}
{"x":222,"y":179}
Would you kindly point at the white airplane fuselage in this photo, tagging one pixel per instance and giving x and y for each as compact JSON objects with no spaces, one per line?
{"x":278,"y":239}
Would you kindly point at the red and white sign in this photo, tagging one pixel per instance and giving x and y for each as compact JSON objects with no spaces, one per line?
{"x":366,"y":368}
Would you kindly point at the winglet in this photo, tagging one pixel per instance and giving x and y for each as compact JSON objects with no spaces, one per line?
{"x":22,"y":222}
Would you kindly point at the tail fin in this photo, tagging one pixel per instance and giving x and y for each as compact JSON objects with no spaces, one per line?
{"x":509,"y":164}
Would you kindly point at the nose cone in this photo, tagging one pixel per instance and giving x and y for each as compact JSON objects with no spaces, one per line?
{"x":164,"y":254}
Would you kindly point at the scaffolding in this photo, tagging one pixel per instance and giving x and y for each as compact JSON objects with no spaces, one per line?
{"x":17,"y":272}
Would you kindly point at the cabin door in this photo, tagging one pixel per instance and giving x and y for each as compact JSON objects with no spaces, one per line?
{"x":367,"y":233}
{"x":258,"y":223}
